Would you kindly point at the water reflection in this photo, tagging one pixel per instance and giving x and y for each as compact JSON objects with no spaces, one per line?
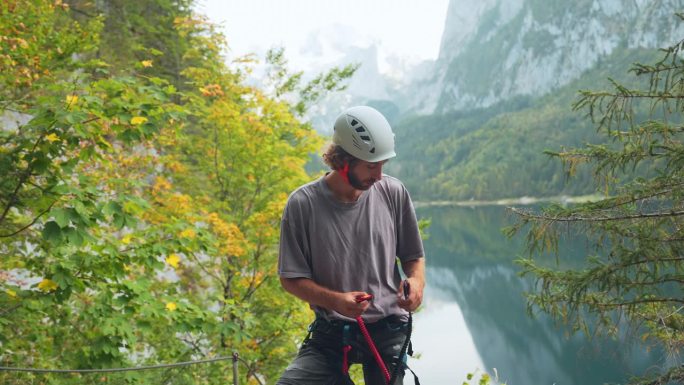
{"x":475,"y":312}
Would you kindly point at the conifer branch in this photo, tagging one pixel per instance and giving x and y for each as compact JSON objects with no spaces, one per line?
{"x":577,"y":218}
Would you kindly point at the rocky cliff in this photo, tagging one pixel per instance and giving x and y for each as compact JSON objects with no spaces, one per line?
{"x":493,"y":50}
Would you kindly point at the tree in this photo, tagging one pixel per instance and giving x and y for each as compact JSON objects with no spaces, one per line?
{"x":634,"y":272}
{"x":241,"y":153}
{"x":74,"y":287}
{"x":139,"y":219}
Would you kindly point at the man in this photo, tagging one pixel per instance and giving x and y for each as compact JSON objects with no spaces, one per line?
{"x":341,"y":236}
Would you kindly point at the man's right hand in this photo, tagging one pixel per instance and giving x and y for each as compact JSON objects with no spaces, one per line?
{"x":347,"y":305}
{"x":315,"y":294}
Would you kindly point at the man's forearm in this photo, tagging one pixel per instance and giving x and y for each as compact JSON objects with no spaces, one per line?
{"x":309,"y":291}
{"x":315,"y":294}
{"x":415,"y":269}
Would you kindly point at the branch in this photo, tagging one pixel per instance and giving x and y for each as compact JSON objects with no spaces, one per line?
{"x":630,"y":283}
{"x":670,"y":189}
{"x":205,"y":269}
{"x":573,"y":218}
{"x":13,"y":308}
{"x":221,"y":183}
{"x":672,"y":376}
{"x":82,"y":12}
{"x":252,"y":291}
{"x":635,"y":95}
{"x":642,"y":261}
{"x":250,"y":370}
{"x":264,"y":343}
{"x":255,"y":268}
{"x":25,"y":176}
{"x":32,"y":222}
{"x":635,"y":302}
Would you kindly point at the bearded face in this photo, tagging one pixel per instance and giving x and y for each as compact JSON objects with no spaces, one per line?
{"x":362,"y":174}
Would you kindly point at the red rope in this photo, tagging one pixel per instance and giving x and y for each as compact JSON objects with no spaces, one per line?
{"x":369,"y":340}
{"x":345,"y":360}
{"x":373,"y":349}
{"x":344,"y":172}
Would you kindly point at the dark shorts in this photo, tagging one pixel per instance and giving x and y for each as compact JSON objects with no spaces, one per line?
{"x":319,"y":361}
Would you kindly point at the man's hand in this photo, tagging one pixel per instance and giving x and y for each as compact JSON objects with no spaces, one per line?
{"x":415,"y":273}
{"x":415,"y":294}
{"x":347,"y":304}
{"x":315,"y":294}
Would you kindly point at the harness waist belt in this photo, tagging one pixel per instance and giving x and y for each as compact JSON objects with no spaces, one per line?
{"x":340,"y":324}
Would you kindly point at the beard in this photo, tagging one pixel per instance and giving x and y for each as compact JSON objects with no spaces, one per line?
{"x":359,"y":184}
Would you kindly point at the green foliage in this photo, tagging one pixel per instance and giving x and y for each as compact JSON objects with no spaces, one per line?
{"x":284,"y":83}
{"x":142,"y":188}
{"x":633,"y":272}
{"x":136,"y":31}
{"x":423,"y":226}
{"x":485,"y":379}
{"x":33,"y":51}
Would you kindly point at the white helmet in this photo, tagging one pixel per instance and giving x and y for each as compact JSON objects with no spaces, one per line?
{"x":365,"y":134}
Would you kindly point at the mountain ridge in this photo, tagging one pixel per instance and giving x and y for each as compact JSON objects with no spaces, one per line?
{"x":497,"y":49}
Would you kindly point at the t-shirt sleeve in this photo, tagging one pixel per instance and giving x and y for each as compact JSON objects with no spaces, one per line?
{"x":409,"y":243}
{"x":293,"y":255}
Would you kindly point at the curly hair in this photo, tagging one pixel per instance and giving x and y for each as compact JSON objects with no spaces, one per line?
{"x":335,"y":157}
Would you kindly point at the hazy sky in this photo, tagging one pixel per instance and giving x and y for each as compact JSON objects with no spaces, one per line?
{"x":407,"y":29}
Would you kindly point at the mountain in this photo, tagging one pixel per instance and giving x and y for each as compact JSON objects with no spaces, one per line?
{"x":501,"y":93}
{"x":493,"y":50}
{"x":369,"y":85}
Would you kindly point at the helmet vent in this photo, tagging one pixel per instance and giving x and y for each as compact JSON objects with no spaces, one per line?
{"x":365,"y":138}
{"x":354,"y":122}
{"x":372,"y":150}
{"x":360,"y":129}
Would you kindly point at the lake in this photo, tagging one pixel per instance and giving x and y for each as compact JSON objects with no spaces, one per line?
{"x":474,"y":316}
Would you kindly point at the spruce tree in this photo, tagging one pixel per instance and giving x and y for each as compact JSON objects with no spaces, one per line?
{"x":634,"y":267}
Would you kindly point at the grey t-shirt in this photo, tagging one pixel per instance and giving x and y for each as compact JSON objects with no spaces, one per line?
{"x":351,"y":246}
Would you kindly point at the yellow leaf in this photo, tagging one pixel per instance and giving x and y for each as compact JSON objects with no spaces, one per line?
{"x":126,"y":239}
{"x":11,"y":293}
{"x":171,"y":306}
{"x":71,"y":100}
{"x":187,"y":233}
{"x":138,"y":120}
{"x":52,"y":138}
{"x":173,"y":260}
{"x":161,"y":184}
{"x":47,"y":285}
{"x":146,"y":63}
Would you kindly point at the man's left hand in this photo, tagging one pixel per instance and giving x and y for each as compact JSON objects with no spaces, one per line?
{"x":415,"y":297}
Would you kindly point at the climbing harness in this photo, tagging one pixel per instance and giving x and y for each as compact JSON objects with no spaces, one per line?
{"x":406,"y":346}
{"x":346,"y":346}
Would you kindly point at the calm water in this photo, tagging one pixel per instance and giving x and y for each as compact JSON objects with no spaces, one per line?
{"x":475,"y":317}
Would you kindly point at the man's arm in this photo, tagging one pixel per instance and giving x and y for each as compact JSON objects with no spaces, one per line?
{"x":415,"y":275}
{"x":315,"y":294}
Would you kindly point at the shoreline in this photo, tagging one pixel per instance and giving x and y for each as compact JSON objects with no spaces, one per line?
{"x":525,"y":200}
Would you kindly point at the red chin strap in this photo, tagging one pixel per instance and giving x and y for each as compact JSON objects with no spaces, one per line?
{"x":344,"y":172}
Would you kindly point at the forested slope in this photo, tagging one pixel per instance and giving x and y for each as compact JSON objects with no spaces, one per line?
{"x":498,"y":151}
